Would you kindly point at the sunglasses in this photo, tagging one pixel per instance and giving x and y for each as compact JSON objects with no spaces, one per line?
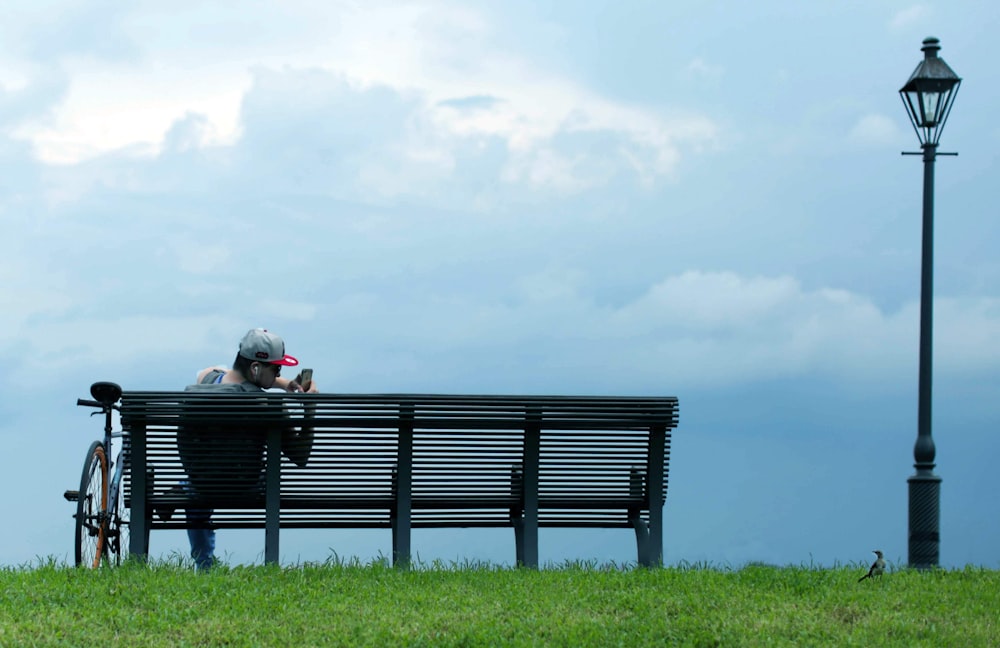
{"x":276,"y":367}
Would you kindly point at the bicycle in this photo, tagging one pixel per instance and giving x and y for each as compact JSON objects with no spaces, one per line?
{"x":102,"y":519}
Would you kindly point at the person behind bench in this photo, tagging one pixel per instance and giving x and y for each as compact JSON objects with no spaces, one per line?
{"x":228,"y":458}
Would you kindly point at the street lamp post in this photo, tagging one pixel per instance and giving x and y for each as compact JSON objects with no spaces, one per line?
{"x":928,"y":96}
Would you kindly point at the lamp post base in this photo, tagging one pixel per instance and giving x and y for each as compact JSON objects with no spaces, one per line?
{"x":925,"y":513}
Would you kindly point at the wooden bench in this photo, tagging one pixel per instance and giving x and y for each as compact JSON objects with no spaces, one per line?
{"x":407,"y":461}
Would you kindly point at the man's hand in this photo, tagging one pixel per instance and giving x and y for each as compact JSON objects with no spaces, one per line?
{"x":298,"y":444}
{"x":303,"y":383}
{"x":311,"y":389}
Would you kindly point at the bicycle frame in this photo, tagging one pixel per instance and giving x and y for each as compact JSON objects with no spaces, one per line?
{"x":106,"y":520}
{"x":114,"y":490}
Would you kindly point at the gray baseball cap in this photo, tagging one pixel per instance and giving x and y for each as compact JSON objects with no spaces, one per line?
{"x":263,"y":346}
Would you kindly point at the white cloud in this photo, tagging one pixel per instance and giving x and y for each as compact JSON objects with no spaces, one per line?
{"x":108,"y":109}
{"x":703,"y":329}
{"x":967,"y":334}
{"x":12,"y":80}
{"x":708,"y":302}
{"x":721,"y":328}
{"x":201,"y":258}
{"x":910,"y":17}
{"x":55,"y":344}
{"x":279,"y":309}
{"x":331,"y":146}
{"x":547,"y":168}
{"x":415,"y":49}
{"x":698,"y":67}
{"x":875,"y":130}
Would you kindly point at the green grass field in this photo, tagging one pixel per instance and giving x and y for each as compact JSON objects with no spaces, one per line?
{"x":352,"y":604}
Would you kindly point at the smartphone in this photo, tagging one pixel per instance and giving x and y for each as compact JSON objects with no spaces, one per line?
{"x":305,"y":379}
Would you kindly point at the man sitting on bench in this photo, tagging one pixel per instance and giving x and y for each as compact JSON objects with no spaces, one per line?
{"x":227,"y":458}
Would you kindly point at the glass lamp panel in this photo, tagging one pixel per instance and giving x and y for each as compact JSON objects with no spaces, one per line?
{"x":913,"y":106}
{"x":930,"y":108}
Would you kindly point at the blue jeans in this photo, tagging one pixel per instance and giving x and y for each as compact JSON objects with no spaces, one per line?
{"x":201,"y":535}
{"x":202,"y":539}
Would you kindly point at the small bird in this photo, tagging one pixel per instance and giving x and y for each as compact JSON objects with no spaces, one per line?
{"x":877,"y":568}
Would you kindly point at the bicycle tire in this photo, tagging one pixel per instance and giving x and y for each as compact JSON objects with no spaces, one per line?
{"x":119,"y":527}
{"x":91,"y":509}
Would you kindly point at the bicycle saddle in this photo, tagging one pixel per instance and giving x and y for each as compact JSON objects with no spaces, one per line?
{"x":106,"y":393}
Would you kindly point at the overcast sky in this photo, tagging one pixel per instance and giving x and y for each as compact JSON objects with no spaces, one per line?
{"x":705,"y":200}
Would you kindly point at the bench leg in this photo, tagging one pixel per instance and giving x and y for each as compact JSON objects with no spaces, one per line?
{"x":529,"y":515}
{"x":272,"y":497}
{"x":654,"y":545}
{"x":526,"y":543}
{"x":519,"y":542}
{"x":656,"y":476}
{"x":140,"y":514}
{"x":642,"y":541}
{"x":138,"y":542}
{"x":402,"y":515}
{"x":401,"y":542}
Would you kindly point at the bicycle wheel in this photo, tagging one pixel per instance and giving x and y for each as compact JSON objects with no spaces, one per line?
{"x":91,"y":507}
{"x":118,"y":527}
